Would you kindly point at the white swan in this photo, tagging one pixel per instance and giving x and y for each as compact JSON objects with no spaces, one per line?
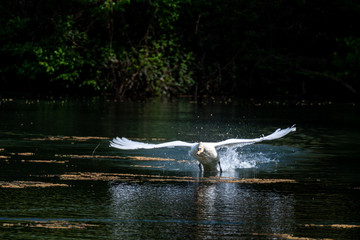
{"x":204,"y":152}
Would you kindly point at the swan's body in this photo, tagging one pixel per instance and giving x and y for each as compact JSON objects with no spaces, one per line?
{"x":207,"y":155}
{"x":204,"y":152}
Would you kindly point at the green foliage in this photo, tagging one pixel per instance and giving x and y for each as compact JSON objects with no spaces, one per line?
{"x":64,"y":61}
{"x":158,"y":67}
{"x":114,"y":5}
{"x":142,"y":48}
{"x":161,"y":68}
{"x":60,"y":64}
{"x":13,"y":49}
{"x":164,"y":66}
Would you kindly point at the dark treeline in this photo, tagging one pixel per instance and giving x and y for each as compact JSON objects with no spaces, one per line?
{"x":147,"y":48}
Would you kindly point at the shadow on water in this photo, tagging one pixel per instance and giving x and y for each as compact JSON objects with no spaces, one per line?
{"x":59,"y":178}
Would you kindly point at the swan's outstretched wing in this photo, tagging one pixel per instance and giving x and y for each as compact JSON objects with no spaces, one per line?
{"x":241,"y":142}
{"x":126,"y":144}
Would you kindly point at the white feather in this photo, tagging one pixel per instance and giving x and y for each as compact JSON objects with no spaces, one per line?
{"x":126,"y":144}
{"x":241,"y":142}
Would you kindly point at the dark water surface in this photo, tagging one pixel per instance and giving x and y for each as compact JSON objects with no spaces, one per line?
{"x":60,"y":180}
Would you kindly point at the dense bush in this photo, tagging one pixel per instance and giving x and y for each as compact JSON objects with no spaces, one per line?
{"x":144,"y":48}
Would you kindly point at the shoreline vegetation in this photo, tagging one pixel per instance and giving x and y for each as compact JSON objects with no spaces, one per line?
{"x":141,"y":50}
{"x":254,"y":102}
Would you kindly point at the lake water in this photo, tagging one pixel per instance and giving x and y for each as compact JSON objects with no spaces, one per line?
{"x":59,"y":179}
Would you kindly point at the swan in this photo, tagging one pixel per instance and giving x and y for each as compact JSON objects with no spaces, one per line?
{"x":205,"y":152}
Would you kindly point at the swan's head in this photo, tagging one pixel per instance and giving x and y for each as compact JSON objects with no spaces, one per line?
{"x":200,"y":148}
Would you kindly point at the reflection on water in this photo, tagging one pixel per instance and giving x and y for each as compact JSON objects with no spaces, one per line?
{"x":59,"y":179}
{"x":199,"y":210}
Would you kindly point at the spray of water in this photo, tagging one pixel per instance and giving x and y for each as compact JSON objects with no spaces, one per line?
{"x":235,"y":158}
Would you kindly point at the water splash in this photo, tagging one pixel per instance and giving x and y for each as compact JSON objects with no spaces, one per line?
{"x":235,"y":158}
